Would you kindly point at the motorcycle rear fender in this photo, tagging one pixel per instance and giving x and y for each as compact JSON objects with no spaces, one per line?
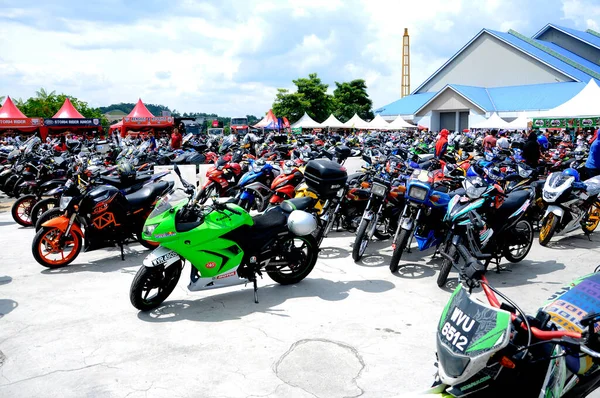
{"x":161,"y":256}
{"x":558,"y":211}
{"x":62,"y":223}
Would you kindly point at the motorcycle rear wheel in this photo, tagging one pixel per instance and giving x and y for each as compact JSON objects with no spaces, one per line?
{"x":592,"y":220}
{"x":146,"y":280}
{"x":400,"y":246}
{"x":548,"y":228}
{"x":522,"y":229}
{"x":301,"y":260}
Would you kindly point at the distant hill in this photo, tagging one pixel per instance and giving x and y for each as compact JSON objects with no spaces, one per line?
{"x":116,"y":112}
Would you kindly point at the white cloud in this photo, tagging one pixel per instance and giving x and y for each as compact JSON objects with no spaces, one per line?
{"x":230,"y":56}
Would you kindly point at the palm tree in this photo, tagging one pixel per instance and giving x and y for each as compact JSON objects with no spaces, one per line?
{"x":2,"y":99}
{"x":43,"y":94}
{"x":19,"y":102}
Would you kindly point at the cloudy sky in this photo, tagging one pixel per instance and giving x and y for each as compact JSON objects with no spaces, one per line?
{"x":230,"y":56}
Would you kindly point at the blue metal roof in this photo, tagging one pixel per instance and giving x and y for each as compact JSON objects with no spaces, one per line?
{"x":541,"y":55}
{"x":533,"y":97}
{"x":574,"y":57}
{"x":405,"y":106}
{"x":583,"y":36}
{"x":477,"y":95}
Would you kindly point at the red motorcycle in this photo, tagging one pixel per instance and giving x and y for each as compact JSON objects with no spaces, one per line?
{"x":284,"y":185}
{"x":222,"y":179}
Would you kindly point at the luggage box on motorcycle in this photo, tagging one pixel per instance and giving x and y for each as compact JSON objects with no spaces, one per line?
{"x":325,"y":177}
{"x":342,"y":152}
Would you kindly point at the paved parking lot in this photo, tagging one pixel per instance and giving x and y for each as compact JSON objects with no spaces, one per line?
{"x":347,"y":330}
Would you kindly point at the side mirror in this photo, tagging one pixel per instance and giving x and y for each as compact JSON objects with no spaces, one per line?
{"x":367,"y":159}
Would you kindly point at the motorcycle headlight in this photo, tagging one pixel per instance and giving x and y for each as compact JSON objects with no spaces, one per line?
{"x":453,"y":364}
{"x":475,"y":187}
{"x":550,"y":196}
{"x":64,"y":202}
{"x":417,"y":193}
{"x":378,"y":189}
{"x":149,"y":229}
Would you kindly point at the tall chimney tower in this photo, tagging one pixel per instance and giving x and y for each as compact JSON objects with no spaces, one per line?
{"x":405,"y":64}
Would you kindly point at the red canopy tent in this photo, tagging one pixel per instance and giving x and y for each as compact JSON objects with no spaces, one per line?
{"x":11,"y":118}
{"x":268,"y":122}
{"x":69,"y":119}
{"x":140,"y":118}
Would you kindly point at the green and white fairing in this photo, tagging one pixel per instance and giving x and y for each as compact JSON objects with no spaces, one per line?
{"x":469,"y":333}
{"x":203,"y":244}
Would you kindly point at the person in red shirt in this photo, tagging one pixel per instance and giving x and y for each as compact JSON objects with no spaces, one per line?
{"x":442,"y":144}
{"x":175,"y":139}
{"x":62,"y":146}
{"x":489,"y":142}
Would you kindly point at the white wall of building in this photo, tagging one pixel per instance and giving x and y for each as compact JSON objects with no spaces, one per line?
{"x":489,"y":62}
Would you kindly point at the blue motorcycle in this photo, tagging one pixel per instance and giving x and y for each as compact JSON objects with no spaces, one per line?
{"x":253,"y":186}
{"x":425,"y":206}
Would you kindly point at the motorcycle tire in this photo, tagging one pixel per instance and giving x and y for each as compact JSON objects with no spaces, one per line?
{"x":150,"y":278}
{"x":306,"y":262}
{"x":47,"y":216}
{"x":547,"y":229}
{"x":592,"y":220}
{"x":21,"y":210}
{"x":447,"y":266}
{"x":400,"y":245}
{"x":9,"y":186}
{"x":526,"y":234}
{"x":17,"y":188}
{"x":360,"y":243}
{"x":41,"y":207}
{"x":47,"y":237}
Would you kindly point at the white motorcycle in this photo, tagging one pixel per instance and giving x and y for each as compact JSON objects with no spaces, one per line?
{"x":570,"y":205}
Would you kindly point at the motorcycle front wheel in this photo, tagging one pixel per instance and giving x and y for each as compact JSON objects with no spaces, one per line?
{"x":152,"y":286}
{"x":22,"y":208}
{"x":519,"y":243}
{"x":592,"y":220}
{"x":297,"y":259}
{"x":399,"y":247}
{"x":548,"y":228}
{"x":447,"y":265}
{"x":361,"y":241}
{"x":52,"y":249}
{"x":41,"y":207}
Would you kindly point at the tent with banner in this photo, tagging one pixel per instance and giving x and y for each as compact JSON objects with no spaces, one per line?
{"x":140,"y":119}
{"x":269,"y":122}
{"x":378,"y":123}
{"x":69,"y":119}
{"x":11,"y":118}
{"x":332,"y":122}
{"x":583,"y":110}
{"x":356,"y":122}
{"x":306,"y":122}
{"x":400,"y":124}
{"x":493,"y":122}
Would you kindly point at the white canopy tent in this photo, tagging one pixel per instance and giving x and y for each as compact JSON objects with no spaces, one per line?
{"x":519,"y":123}
{"x":400,"y":124}
{"x":306,"y":122}
{"x":332,"y":122}
{"x":356,"y":122}
{"x":493,"y":122}
{"x":584,"y":104}
{"x":378,"y":123}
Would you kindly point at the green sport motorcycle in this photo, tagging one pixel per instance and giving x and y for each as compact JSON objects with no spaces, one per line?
{"x":494,"y":349}
{"x":224,"y":244}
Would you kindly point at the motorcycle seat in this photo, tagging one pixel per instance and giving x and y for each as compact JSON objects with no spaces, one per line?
{"x":268,"y":221}
{"x":116,"y":181}
{"x":304,"y":203}
{"x":147,"y":194}
{"x":513,"y":201}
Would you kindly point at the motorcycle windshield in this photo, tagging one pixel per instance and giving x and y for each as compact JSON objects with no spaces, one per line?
{"x":468,"y":333}
{"x":167,"y":202}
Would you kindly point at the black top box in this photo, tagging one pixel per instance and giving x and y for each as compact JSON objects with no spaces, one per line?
{"x":325,"y":177}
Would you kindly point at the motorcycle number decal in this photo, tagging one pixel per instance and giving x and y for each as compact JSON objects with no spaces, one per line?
{"x":211,"y":264}
{"x":459,"y":329}
{"x":164,"y":258}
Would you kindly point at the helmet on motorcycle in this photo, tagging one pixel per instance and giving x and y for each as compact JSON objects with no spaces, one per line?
{"x":579,"y":153}
{"x":126,"y":172}
{"x":543,"y":141}
{"x":301,"y":223}
{"x":572,"y":172}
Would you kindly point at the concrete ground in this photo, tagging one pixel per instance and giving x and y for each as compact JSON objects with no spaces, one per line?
{"x":347,"y":330}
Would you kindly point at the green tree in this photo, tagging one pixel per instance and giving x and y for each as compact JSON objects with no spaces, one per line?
{"x":2,"y":99}
{"x":290,"y":105}
{"x":43,"y":94}
{"x":350,"y":98}
{"x":46,"y":105}
{"x":314,"y":92}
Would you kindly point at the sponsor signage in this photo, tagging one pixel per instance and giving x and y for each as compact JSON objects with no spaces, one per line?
{"x":27,"y":122}
{"x":159,"y":120}
{"x":555,"y":123}
{"x":72,"y":122}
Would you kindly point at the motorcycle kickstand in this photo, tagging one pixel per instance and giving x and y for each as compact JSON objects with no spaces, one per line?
{"x":254,"y":282}
{"x":122,"y":253}
{"x":499,"y":268}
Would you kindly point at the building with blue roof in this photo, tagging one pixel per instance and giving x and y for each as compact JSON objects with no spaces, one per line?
{"x":503,"y":72}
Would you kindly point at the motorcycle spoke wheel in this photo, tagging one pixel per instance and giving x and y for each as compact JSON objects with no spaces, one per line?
{"x":592,"y":220}
{"x":21,"y":211}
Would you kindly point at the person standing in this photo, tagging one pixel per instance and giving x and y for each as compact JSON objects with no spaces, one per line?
{"x":502,"y":142}
{"x":531,"y":150}
{"x":592,"y":164}
{"x":489,"y":141}
{"x":175,"y":139}
{"x":441,"y":146}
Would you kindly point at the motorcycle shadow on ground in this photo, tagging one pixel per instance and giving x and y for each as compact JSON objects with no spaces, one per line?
{"x":7,"y":306}
{"x":331,"y":253}
{"x":4,"y":280}
{"x":237,"y":304}
{"x":112,"y":262}
{"x":4,"y":223}
{"x":576,"y":241}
